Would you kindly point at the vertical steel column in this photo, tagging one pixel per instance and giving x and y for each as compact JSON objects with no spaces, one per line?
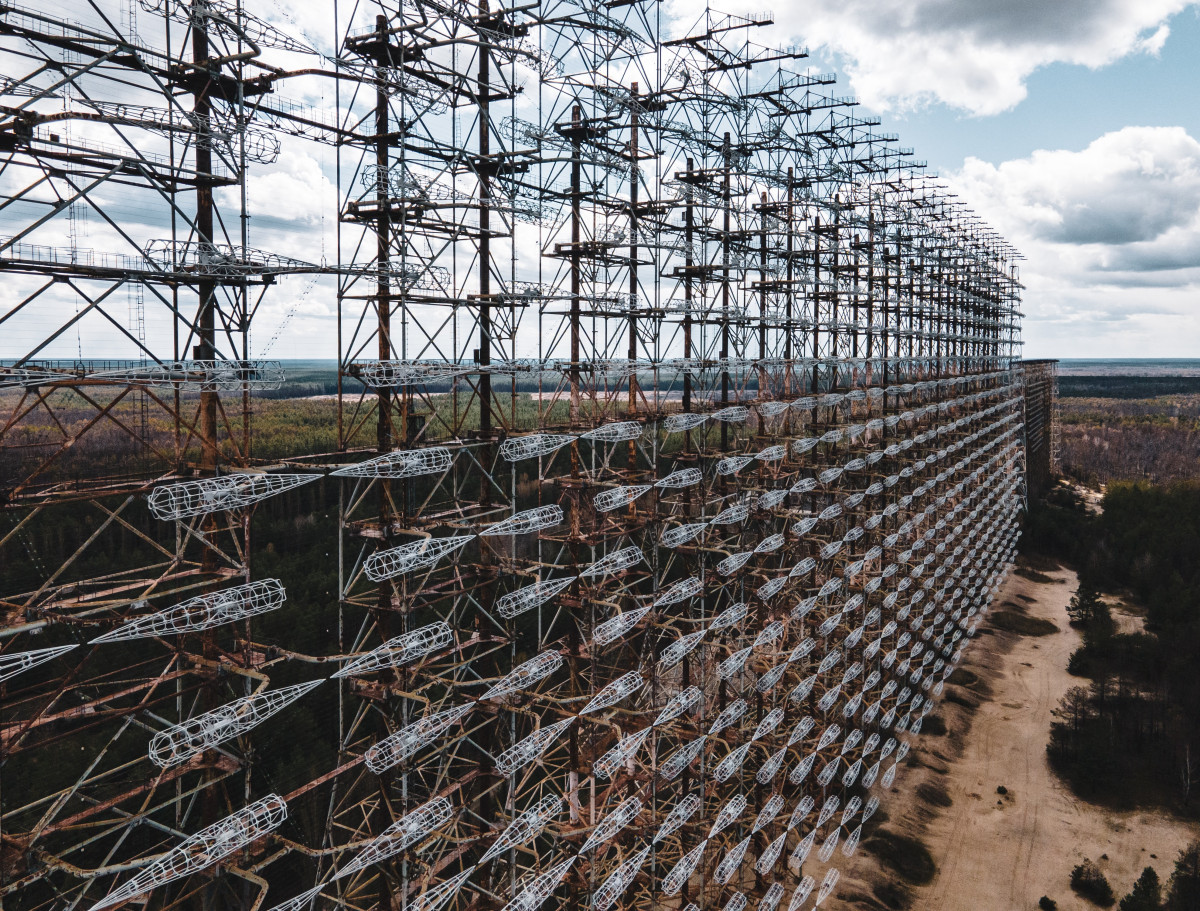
{"x":483,"y":172}
{"x":576,"y":239}
{"x":726,"y":157}
{"x":688,"y":265}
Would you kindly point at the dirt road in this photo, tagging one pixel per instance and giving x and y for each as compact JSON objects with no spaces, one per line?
{"x":1003,"y":851}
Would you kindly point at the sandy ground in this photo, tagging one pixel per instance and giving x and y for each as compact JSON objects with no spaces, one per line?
{"x":1127,"y":617}
{"x":1004,"y":852}
{"x":1093,"y":499}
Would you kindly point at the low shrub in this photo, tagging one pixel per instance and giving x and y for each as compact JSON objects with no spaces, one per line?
{"x":1022,"y":624}
{"x":934,"y":794}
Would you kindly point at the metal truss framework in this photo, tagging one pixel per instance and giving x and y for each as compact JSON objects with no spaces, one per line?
{"x":687,"y":454}
{"x":1040,"y":379}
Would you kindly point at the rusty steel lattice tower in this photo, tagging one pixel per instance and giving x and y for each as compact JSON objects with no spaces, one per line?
{"x":679,"y":454}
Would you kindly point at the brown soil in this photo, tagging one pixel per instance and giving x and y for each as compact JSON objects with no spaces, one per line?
{"x":1001,"y":850}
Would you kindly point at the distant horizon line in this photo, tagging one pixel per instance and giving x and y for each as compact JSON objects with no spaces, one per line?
{"x":331,"y":360}
{"x":1061,"y":360}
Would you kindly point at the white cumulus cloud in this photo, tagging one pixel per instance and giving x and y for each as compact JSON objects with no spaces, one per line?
{"x":294,"y":189}
{"x":292,"y":205}
{"x":974,"y":55}
{"x":1111,"y":235}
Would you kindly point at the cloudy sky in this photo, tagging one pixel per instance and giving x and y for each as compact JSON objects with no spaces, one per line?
{"x":1070,"y":125}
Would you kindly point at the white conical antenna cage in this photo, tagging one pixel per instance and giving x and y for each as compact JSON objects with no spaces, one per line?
{"x":406,"y":558}
{"x":183,"y":741}
{"x":203,"y":612}
{"x":409,"y":463}
{"x":401,"y":650}
{"x":403,"y":833}
{"x":202,"y":850}
{"x":15,"y":663}
{"x":613,"y":823}
{"x":187,"y":499}
{"x":526,"y":826}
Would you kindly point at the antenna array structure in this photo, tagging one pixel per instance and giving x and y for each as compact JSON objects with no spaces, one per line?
{"x":680,"y":453}
{"x":1040,"y":380}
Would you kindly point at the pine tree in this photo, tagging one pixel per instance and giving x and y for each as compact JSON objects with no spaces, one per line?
{"x":1185,"y":881}
{"x":1146,"y":894}
{"x":1085,"y":603}
{"x":1089,"y":881}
